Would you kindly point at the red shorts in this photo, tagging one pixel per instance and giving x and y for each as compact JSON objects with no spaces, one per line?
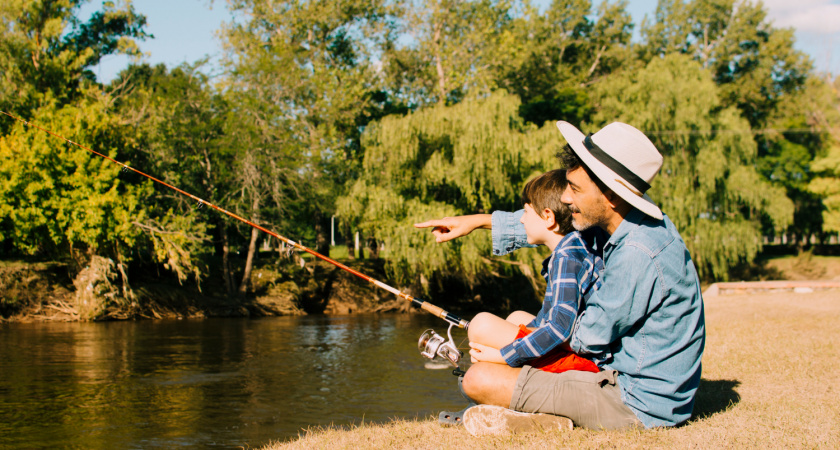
{"x":558,"y":361}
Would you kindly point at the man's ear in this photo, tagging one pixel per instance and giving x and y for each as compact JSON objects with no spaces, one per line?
{"x":613,"y":199}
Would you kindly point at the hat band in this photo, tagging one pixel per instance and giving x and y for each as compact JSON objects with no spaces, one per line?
{"x":620,"y":170}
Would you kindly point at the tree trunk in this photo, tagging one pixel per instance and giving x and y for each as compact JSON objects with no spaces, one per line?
{"x":226,"y":272}
{"x":249,"y":263}
{"x":322,"y":234}
{"x":439,"y":65}
{"x":373,"y":247}
{"x":351,"y":243}
{"x":252,"y":247}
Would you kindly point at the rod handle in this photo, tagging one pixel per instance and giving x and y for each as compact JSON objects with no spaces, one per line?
{"x":436,"y":310}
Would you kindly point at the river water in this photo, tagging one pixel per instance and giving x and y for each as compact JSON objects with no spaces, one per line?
{"x":215,"y":382}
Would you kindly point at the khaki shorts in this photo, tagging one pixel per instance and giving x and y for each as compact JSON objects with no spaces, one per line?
{"x":591,"y":400}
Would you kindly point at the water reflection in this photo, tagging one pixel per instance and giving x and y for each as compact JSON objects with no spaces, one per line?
{"x":215,"y":382}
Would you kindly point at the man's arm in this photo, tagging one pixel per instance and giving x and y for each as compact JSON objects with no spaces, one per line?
{"x":450,"y":228}
{"x":624,"y":298}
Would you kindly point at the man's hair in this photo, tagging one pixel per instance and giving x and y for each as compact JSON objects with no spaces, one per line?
{"x":571,"y":161}
{"x":544,"y":192}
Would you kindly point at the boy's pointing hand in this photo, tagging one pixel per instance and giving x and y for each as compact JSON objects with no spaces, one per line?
{"x":450,"y":228}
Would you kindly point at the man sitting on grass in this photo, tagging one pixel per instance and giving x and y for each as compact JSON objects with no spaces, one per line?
{"x":645,"y":323}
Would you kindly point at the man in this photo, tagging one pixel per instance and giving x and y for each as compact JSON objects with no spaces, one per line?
{"x":644,"y":325}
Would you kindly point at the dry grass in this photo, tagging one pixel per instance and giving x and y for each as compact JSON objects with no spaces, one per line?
{"x":770,"y":379}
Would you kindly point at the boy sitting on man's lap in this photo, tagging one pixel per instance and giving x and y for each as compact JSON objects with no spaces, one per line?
{"x":571,"y":274}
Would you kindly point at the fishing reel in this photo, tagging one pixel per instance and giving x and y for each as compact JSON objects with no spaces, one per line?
{"x":432,"y":345}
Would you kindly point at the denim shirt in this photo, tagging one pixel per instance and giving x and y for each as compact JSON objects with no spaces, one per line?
{"x":645,"y":321}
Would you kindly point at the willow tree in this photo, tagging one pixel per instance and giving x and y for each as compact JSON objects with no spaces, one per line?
{"x":441,"y":161}
{"x":708,"y":184}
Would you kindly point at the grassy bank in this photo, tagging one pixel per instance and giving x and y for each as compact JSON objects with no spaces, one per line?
{"x":770,"y":379}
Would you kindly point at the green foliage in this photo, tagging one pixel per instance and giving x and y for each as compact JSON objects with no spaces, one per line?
{"x":57,"y":199}
{"x":754,"y":63}
{"x":45,"y":51}
{"x":826,"y":167}
{"x":390,"y":113}
{"x":827,"y":185}
{"x":178,"y":242}
{"x":708,"y":184}
{"x":442,"y":161}
{"x":180,"y":127}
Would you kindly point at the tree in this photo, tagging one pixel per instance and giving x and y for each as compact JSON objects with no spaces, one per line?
{"x":176,"y":124}
{"x":304,"y":75}
{"x":57,"y":199}
{"x":443,"y":161}
{"x":563,"y":50}
{"x":708,"y":184}
{"x":826,"y":166}
{"x":457,"y":48}
{"x":754,"y":63}
{"x":46,"y":51}
{"x":758,"y":71}
{"x":463,"y":49}
{"x":797,"y":132}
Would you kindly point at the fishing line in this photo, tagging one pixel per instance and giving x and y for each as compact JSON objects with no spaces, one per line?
{"x":442,"y":347}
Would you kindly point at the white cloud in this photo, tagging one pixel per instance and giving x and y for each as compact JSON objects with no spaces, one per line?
{"x":810,"y":16}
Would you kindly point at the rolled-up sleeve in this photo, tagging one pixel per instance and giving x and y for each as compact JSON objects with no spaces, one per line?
{"x":508,"y":233}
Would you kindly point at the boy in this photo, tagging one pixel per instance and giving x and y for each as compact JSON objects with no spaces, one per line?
{"x":571,"y":274}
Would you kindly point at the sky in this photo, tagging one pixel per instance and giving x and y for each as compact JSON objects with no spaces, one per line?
{"x":185,"y":30}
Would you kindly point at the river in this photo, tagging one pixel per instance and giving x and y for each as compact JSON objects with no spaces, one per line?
{"x":223,"y":383}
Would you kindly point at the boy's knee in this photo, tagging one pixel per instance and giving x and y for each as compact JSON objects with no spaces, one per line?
{"x":478,"y":325}
{"x":520,"y":318}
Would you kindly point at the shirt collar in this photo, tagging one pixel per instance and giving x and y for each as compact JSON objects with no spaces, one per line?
{"x":569,"y":239}
{"x":631,"y":222}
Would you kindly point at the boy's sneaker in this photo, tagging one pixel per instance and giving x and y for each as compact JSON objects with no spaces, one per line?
{"x":488,"y":419}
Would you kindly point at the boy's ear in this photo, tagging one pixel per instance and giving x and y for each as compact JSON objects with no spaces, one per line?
{"x":548,"y":215}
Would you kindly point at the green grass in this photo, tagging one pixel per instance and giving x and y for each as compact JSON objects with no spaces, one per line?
{"x":770,"y":380}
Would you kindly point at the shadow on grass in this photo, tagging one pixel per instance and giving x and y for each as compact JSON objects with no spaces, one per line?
{"x":715,"y":396}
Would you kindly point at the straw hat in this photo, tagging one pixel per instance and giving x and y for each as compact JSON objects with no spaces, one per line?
{"x":622,"y":157}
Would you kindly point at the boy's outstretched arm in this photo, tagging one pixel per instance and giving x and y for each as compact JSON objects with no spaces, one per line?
{"x":450,"y":228}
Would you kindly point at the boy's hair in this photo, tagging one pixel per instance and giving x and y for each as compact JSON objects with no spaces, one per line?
{"x":544,"y":192}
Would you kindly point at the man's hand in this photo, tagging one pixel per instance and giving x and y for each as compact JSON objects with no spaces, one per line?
{"x":483,"y":353}
{"x":450,"y":228}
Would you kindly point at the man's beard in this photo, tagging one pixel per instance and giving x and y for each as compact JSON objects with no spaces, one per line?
{"x":586,"y":221}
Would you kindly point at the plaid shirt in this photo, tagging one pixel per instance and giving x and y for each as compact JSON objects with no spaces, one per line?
{"x":571,"y":274}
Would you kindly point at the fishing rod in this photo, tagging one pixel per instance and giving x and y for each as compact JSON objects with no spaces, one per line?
{"x":430,"y":344}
